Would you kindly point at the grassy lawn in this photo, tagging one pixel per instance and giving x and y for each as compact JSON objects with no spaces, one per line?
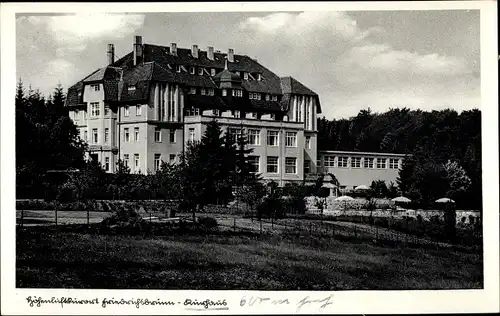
{"x":229,"y":261}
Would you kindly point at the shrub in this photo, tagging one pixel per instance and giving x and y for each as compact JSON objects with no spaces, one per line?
{"x":207,"y":222}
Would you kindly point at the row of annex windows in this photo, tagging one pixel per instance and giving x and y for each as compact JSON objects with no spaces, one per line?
{"x":135,"y":166}
{"x":357,"y":162}
{"x":272,"y":164}
{"x":234,"y":113}
{"x":95,"y":136}
{"x":158,"y":159}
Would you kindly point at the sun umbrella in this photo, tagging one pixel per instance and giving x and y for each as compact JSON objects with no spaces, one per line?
{"x":362,"y":187}
{"x":401,"y":199}
{"x":344,"y":198}
{"x":445,"y":200}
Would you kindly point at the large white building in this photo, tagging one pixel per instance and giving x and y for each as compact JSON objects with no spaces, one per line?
{"x":146,"y":106}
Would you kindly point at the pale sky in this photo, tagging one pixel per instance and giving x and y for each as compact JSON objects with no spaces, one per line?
{"x":354,"y":60}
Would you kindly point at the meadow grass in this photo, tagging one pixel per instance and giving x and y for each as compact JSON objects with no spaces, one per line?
{"x":46,"y":259}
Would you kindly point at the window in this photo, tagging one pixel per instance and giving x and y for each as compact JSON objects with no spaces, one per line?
{"x":106,"y":135}
{"x":178,"y":68}
{"x":126,"y":135}
{"x":234,"y":133}
{"x":343,"y":162}
{"x":106,"y":163}
{"x":254,"y":162}
{"x":275,"y":98}
{"x":125,"y":159}
{"x":192,"y":111}
{"x":126,"y":111}
{"x":157,"y":162}
{"x":216,"y":112}
{"x":393,"y":163}
{"x":95,"y":87}
{"x":136,"y":162}
{"x":212,"y":72}
{"x":94,"y":109}
{"x":245,"y":75}
{"x":192,"y":91}
{"x":131,"y":88}
{"x":95,"y":135}
{"x":254,"y":96}
{"x":224,"y":92}
{"x":268,"y":97}
{"x":253,"y":137}
{"x":158,"y":135}
{"x":77,"y":115}
{"x":368,"y":163}
{"x":138,"y":110}
{"x":237,"y":93}
{"x":356,"y":162}
{"x":191,"y":70}
{"x":85,"y":137}
{"x":272,"y":164}
{"x":329,"y":161}
{"x":203,"y":91}
{"x":84,"y":114}
{"x":172,"y":137}
{"x":307,"y":166}
{"x":291,"y":139}
{"x":191,"y":134}
{"x":272,"y":138}
{"x":172,"y":158}
{"x":291,"y":165}
{"x":200,"y":71}
{"x":211,"y":91}
{"x":381,"y":163}
{"x":259,"y":77}
{"x":136,"y":134}
{"x":308,"y":142}
{"x":255,"y":115}
{"x":106,"y":109}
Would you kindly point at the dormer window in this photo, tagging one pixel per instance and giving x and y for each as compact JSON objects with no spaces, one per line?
{"x":216,"y":112}
{"x":268,"y":97}
{"x":200,"y":71}
{"x":211,"y":91}
{"x":95,"y":87}
{"x":275,"y":98}
{"x":131,"y":88}
{"x":237,"y":114}
{"x":237,"y":93}
{"x":224,"y":92}
{"x":254,"y":96}
{"x":259,"y":77}
{"x":203,"y":91}
{"x":245,"y":75}
{"x":212,"y":72}
{"x":191,"y":70}
{"x":192,"y":91}
{"x":238,"y":73}
{"x":178,"y":68}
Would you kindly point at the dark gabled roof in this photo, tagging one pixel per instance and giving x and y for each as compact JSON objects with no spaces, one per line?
{"x":291,"y":85}
{"x":158,"y":65}
{"x":204,"y":101}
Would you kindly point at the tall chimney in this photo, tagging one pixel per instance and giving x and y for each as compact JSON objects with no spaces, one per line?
{"x":210,"y":53}
{"x":173,"y":49}
{"x":137,"y":49}
{"x":111,"y":54}
{"x":230,"y":55}
{"x":194,"y":51}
